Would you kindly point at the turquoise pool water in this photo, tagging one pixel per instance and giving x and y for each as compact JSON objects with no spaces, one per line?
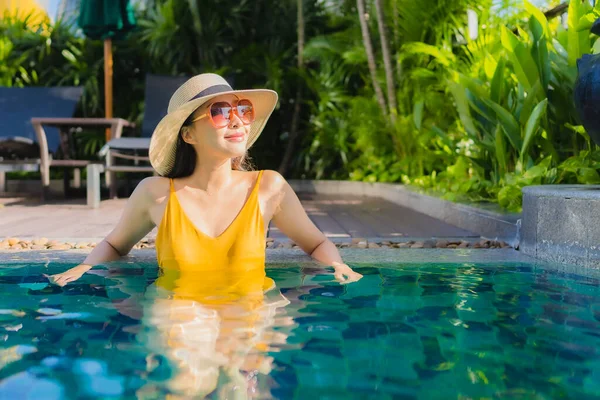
{"x":443,"y":331}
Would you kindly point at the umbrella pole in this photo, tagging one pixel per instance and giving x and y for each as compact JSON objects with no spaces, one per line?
{"x":108,"y":82}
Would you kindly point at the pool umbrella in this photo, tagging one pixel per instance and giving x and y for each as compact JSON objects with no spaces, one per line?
{"x":106,"y":20}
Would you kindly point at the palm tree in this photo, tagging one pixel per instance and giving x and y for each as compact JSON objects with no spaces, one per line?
{"x":370,"y":55}
{"x":387,"y":63}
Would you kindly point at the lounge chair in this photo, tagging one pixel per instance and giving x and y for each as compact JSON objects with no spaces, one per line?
{"x":26,"y":113}
{"x":158,"y":91}
{"x":20,"y":146}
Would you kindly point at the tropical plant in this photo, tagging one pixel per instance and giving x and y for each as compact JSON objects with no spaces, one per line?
{"x":472,"y":119}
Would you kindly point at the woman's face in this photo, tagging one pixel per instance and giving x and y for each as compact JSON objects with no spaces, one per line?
{"x":228,"y":142}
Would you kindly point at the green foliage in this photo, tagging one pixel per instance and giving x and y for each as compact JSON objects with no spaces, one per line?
{"x":477,"y":120}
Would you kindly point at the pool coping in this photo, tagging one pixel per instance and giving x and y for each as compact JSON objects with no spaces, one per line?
{"x":277,"y":258}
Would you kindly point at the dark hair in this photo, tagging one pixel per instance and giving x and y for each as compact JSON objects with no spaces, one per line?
{"x":185,"y":157}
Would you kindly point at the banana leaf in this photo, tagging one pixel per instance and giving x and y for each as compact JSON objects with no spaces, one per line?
{"x":500,"y":150}
{"x":539,"y":16}
{"x":462,"y":105}
{"x":529,"y":103}
{"x":539,"y":52}
{"x":578,"y":42}
{"x":445,"y":58}
{"x":532,"y":126}
{"x":522,"y":61}
{"x":497,"y":87}
{"x":509,"y":123}
{"x":418,"y":113}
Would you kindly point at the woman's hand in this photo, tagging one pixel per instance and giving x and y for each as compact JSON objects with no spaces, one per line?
{"x":344,"y":274}
{"x":135,"y":223}
{"x":291,"y":219}
{"x":68,"y":276}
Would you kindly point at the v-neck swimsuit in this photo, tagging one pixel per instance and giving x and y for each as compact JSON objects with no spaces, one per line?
{"x":203,"y":267}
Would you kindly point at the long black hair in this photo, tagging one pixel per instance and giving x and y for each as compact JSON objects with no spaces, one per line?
{"x":185,"y":157}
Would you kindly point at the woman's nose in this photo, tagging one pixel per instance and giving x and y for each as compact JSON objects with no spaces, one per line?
{"x":235,"y":121}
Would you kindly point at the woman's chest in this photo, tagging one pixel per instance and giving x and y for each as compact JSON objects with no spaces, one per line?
{"x":213,"y":216}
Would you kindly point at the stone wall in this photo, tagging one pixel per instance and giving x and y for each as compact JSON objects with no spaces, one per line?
{"x":561,"y":223}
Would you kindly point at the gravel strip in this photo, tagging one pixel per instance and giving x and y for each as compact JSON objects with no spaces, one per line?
{"x":16,"y":244}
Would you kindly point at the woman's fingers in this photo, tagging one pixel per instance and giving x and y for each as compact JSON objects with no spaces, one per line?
{"x":347,"y":277}
{"x":339,"y":277}
{"x":61,"y":279}
{"x":51,"y":278}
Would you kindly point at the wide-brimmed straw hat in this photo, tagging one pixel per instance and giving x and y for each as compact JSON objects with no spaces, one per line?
{"x":186,"y":99}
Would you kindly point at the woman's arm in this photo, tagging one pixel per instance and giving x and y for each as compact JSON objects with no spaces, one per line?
{"x":135,"y":223}
{"x":291,"y":218}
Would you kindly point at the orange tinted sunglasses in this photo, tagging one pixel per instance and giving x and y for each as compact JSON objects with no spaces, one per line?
{"x":220,"y":112}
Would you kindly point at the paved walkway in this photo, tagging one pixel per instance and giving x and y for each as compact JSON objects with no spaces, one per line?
{"x":340,"y":218}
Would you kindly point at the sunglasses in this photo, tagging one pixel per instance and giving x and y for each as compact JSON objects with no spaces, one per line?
{"x":220,"y":112}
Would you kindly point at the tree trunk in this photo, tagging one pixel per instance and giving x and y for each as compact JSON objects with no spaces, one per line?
{"x":397,"y":39}
{"x":387,"y":63}
{"x":289,"y":150}
{"x":556,"y":11}
{"x":370,"y":55}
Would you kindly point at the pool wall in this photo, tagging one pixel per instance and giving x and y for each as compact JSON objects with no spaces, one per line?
{"x":561,"y":223}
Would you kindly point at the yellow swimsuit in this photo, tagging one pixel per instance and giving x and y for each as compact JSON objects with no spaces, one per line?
{"x":198,"y":266}
{"x":208,"y":307}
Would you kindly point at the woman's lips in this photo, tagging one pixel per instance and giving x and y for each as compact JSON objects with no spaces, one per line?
{"x":238,"y":137}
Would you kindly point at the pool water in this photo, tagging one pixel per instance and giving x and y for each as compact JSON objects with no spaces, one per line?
{"x":405,"y":331}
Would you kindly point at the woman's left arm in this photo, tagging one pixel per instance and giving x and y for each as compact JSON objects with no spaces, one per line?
{"x":291,"y":218}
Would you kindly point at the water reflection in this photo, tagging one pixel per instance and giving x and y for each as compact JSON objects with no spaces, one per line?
{"x":213,"y":329}
{"x":410,"y":331}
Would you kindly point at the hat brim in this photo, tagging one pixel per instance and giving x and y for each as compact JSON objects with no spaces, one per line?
{"x":163,"y":143}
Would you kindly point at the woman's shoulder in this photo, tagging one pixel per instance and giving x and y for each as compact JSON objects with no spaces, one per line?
{"x":272,"y":179}
{"x":154,"y":187}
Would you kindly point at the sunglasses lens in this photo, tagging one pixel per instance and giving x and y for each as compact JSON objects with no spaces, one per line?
{"x":245,"y":111}
{"x":219,"y":113}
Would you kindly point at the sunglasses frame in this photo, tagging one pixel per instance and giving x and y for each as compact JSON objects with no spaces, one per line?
{"x":207,"y":113}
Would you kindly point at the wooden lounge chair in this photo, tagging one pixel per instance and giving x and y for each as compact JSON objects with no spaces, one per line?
{"x":25,"y":145}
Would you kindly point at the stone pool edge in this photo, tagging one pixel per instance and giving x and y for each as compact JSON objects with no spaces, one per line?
{"x":298,"y":256}
{"x":561,"y":223}
{"x":285,"y":257}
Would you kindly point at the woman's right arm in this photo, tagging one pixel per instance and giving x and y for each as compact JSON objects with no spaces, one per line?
{"x":135,"y":223}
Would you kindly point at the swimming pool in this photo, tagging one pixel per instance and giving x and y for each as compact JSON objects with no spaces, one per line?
{"x":405,"y":331}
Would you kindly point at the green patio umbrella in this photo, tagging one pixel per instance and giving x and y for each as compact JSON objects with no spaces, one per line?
{"x":106,"y":20}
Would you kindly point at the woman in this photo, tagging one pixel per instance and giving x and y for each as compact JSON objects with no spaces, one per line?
{"x":211,"y":310}
{"x":205,"y":190}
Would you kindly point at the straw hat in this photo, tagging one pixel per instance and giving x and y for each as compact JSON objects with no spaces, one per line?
{"x":186,"y":99}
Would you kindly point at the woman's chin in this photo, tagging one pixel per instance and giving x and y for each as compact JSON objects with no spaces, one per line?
{"x":234,"y":151}
{"x":236,"y":147}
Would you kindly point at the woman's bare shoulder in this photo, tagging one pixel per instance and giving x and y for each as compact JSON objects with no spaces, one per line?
{"x":154,"y":188}
{"x":273,"y":179}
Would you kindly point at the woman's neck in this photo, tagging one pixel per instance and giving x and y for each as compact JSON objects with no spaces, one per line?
{"x":211,"y":176}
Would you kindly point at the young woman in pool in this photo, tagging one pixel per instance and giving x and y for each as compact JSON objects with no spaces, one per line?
{"x":211,"y":212}
{"x":211,"y":311}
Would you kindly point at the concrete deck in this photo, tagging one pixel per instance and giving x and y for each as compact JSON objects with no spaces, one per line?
{"x":339,"y":217}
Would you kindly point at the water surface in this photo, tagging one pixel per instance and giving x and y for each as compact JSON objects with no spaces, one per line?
{"x":405,"y":331}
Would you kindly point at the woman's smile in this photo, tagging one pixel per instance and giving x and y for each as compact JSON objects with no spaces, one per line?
{"x":236,"y":137}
